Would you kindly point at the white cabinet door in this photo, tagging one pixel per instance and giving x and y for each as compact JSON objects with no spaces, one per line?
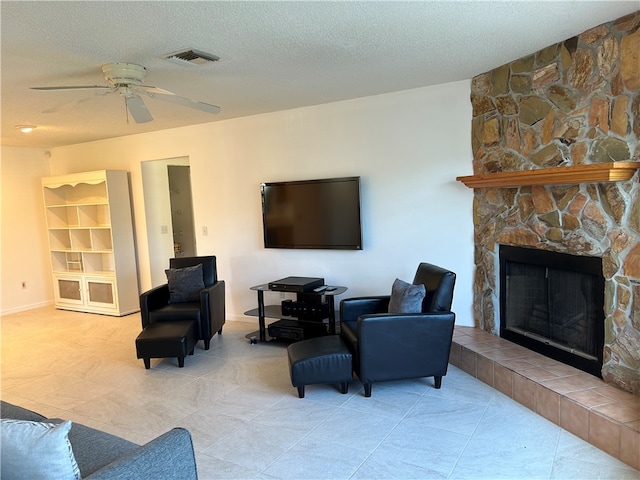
{"x":68,"y":290}
{"x":101,"y":293}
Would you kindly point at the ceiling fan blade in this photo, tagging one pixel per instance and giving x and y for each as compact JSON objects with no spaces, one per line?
{"x":166,"y":96}
{"x":149,"y":89}
{"x":78,"y":87}
{"x":138,"y":109}
{"x":67,"y":104}
{"x":71,"y":103}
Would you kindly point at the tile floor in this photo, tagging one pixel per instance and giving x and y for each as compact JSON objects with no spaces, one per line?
{"x":248,"y":423}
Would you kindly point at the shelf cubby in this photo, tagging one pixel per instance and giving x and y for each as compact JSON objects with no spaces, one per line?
{"x":80,"y":239}
{"x":66,"y":262}
{"x":62,"y":217}
{"x":101,"y":240}
{"x":102,"y":263}
{"x":93,"y":215}
{"x":59,"y":240}
{"x":73,"y":261}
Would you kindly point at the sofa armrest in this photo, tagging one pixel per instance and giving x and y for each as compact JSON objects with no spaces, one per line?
{"x":151,"y":300}
{"x":212,"y":301}
{"x":352,"y":308}
{"x":168,"y":457}
{"x":404,"y":345}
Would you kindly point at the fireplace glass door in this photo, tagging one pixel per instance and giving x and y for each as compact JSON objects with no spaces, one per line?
{"x":553,"y":304}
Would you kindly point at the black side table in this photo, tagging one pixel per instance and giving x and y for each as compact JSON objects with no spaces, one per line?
{"x":275,"y":311}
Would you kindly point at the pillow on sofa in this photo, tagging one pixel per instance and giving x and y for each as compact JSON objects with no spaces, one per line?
{"x":406,"y":297}
{"x":185,"y":283}
{"x":37,"y":451}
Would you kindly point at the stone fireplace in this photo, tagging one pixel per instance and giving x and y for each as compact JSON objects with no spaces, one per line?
{"x":575,"y":103}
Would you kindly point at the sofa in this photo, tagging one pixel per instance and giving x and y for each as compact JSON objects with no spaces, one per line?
{"x":102,"y":456}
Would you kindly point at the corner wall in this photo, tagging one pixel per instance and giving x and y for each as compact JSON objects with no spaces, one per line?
{"x":24,"y":246}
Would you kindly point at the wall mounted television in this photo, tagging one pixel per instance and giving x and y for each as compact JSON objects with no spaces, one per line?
{"x":312,"y":214}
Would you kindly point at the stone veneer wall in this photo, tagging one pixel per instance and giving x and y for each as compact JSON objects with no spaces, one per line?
{"x":575,"y":102}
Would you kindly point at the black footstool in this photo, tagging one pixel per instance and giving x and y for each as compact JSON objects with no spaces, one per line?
{"x":319,"y":360}
{"x":166,"y":339}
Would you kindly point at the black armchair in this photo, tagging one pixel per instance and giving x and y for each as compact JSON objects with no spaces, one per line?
{"x":395,"y":346}
{"x":208,"y":312}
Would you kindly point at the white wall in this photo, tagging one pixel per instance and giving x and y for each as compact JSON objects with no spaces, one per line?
{"x":408,"y":147}
{"x":23,"y":249}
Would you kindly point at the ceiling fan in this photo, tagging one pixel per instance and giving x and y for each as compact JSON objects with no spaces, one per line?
{"x":127,"y":79}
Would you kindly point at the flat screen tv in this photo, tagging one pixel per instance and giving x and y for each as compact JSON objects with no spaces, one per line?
{"x":314,"y":214}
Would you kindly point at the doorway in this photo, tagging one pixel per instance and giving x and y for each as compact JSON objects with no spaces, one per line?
{"x":184,"y":239}
{"x":158,"y":215}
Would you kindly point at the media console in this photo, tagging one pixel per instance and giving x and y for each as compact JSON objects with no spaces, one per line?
{"x":296,"y":319}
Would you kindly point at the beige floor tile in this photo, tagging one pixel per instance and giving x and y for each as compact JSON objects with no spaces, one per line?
{"x":247,"y":422}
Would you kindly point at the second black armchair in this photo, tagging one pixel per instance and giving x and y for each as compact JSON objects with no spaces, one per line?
{"x":207,"y":308}
{"x":394,"y":346}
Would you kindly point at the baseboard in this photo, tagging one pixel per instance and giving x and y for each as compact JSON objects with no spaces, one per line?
{"x":24,"y":308}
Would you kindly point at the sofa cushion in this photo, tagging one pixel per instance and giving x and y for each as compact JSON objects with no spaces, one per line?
{"x":175,"y":312}
{"x":94,"y":449}
{"x":185,"y":283}
{"x":8,"y":410}
{"x":37,"y":451}
{"x":406,"y":298}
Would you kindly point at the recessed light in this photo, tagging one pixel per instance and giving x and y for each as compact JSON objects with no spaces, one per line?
{"x":26,"y":128}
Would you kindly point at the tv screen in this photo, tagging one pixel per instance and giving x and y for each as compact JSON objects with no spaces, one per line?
{"x":322,"y":214}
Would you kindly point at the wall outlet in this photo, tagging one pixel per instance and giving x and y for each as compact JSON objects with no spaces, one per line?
{"x":281,"y":295}
{"x":24,"y":285}
{"x":164,"y":229}
{"x":205,"y":231}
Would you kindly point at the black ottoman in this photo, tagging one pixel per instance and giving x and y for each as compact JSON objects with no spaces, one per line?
{"x":166,"y":339}
{"x":319,"y":360}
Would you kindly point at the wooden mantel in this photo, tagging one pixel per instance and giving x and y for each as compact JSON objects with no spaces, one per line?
{"x":596,"y":173}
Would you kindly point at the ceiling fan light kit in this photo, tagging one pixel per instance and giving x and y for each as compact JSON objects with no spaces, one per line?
{"x":127,"y":79}
{"x":124,"y":73}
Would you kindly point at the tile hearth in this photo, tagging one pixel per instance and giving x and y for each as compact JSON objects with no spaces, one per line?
{"x":584,"y":405}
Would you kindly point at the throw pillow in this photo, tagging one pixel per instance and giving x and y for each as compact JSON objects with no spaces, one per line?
{"x":185,"y":283}
{"x":37,"y":451}
{"x":406,"y":297}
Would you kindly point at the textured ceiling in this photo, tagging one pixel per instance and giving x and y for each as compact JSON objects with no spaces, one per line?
{"x":273,"y":55}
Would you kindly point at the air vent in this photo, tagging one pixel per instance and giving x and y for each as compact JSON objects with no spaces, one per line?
{"x":191,"y":57}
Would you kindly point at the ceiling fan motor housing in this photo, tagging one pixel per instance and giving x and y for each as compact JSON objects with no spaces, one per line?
{"x":124,"y":73}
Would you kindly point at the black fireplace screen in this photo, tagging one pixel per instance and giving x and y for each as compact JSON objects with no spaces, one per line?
{"x":553,"y":304}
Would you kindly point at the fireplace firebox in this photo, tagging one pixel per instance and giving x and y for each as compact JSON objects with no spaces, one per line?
{"x":553,"y":303}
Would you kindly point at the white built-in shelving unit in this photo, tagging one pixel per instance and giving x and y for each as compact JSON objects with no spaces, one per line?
{"x":91,"y":242}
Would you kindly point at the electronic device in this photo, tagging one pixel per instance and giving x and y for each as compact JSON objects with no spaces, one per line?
{"x":320,"y":289}
{"x":320,"y":214}
{"x":294,"y":330}
{"x":305,"y":310}
{"x":296,"y":284}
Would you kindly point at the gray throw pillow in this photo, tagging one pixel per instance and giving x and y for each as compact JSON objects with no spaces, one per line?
{"x":406,"y":297}
{"x":185,"y":283}
{"x":37,"y":451}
